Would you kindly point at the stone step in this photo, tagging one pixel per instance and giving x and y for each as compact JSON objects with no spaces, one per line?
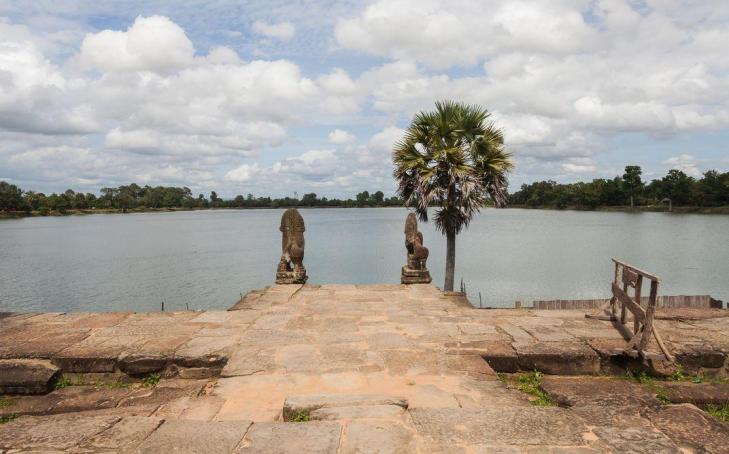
{"x":310,"y":403}
{"x":697,"y":393}
{"x":26,"y":376}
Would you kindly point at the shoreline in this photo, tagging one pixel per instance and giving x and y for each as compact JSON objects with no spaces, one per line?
{"x":638,"y":209}
{"x":719,"y":210}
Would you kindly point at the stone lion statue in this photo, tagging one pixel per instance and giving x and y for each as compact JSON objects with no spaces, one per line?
{"x":291,"y":266}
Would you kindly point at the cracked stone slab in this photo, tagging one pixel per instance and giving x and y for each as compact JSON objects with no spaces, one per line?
{"x":507,"y":426}
{"x":58,"y":432}
{"x":26,"y":376}
{"x":124,"y":436}
{"x":280,"y":437}
{"x":637,"y":440}
{"x":195,"y":437}
{"x":311,"y":402}
{"x":691,"y":428}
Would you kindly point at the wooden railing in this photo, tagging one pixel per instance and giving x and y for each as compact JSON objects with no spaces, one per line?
{"x":629,"y":278}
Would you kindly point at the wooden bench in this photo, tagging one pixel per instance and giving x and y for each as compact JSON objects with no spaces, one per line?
{"x":628,"y":277}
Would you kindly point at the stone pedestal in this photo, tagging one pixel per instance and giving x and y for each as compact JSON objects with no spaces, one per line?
{"x":286,"y":275}
{"x":411,"y":276}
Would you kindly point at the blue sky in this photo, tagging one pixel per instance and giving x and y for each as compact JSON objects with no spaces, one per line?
{"x":276,"y":97}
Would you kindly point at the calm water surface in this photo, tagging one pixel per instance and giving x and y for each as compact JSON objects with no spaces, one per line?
{"x":206,"y":259}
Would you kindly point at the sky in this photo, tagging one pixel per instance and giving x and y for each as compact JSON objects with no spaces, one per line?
{"x":275,"y":98}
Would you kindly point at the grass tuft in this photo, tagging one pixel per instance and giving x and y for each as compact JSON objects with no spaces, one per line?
{"x":7,"y":418}
{"x":5,"y":402}
{"x":301,"y":416}
{"x":62,"y":382}
{"x":530,"y":383}
{"x":151,"y":380}
{"x":720,"y":412}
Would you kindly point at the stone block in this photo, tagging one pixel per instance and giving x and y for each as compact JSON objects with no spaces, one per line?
{"x":26,"y":376}
{"x":380,"y":437}
{"x":598,"y":391}
{"x":308,"y":403}
{"x":124,"y":436}
{"x":697,"y":393}
{"x":274,"y":438}
{"x":367,"y":412}
{"x":47,"y":433}
{"x":195,"y":437}
{"x":143,"y":364}
{"x":691,"y":429}
{"x":558,"y":358}
{"x":635,"y":440}
{"x":506,"y":426}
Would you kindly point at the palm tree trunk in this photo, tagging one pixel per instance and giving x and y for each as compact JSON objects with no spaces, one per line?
{"x":450,"y":260}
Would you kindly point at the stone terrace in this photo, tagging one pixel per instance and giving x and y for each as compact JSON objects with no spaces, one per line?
{"x":370,"y":368}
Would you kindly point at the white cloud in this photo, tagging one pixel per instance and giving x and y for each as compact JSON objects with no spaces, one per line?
{"x":685,"y":163}
{"x":243,"y":173}
{"x":460,"y":32}
{"x":339,"y":136}
{"x":152,"y":43}
{"x":283,"y":31}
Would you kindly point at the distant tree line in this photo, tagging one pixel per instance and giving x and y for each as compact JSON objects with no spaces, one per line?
{"x":711,"y":190}
{"x":134,"y":197}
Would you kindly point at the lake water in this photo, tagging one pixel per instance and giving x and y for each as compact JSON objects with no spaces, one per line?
{"x":206,"y":259}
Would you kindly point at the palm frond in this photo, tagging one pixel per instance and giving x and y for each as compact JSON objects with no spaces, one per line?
{"x":453,"y":158}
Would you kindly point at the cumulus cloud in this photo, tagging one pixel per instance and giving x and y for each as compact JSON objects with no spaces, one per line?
{"x":283,"y":31}
{"x":152,"y":43}
{"x":685,"y":163}
{"x":339,"y":136}
{"x":243,"y":173}
{"x":151,"y":100}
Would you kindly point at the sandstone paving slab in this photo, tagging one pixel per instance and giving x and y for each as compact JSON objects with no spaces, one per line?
{"x":59,"y":432}
{"x":307,"y":403}
{"x":697,"y":393}
{"x":80,"y":398}
{"x":165,"y":391}
{"x":637,"y":440}
{"x":204,"y":351}
{"x":26,"y":376}
{"x":310,"y":437}
{"x":377,"y":436}
{"x":691,"y":429}
{"x":500,"y":426}
{"x":124,"y":436}
{"x":202,"y":408}
{"x":559,"y":358}
{"x":598,"y":391}
{"x":181,"y":436}
{"x":366,"y":412}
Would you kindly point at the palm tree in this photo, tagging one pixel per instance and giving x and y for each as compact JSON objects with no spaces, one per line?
{"x":452,"y":158}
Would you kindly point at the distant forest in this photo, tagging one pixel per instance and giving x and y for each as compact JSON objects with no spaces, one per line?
{"x":711,"y":190}
{"x":135,"y":197}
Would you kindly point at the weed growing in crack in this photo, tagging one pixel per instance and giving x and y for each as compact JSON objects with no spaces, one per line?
{"x":301,"y":416}
{"x":151,"y":380}
{"x":7,"y":418}
{"x":720,"y":412}
{"x":531,"y":383}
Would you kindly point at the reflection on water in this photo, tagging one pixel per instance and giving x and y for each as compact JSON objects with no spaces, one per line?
{"x":205,"y":259}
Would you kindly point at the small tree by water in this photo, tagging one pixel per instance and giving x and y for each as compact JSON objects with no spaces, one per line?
{"x":452,"y":158}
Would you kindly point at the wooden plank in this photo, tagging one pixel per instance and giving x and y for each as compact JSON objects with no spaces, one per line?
{"x":628,"y":302}
{"x":650,"y":276}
